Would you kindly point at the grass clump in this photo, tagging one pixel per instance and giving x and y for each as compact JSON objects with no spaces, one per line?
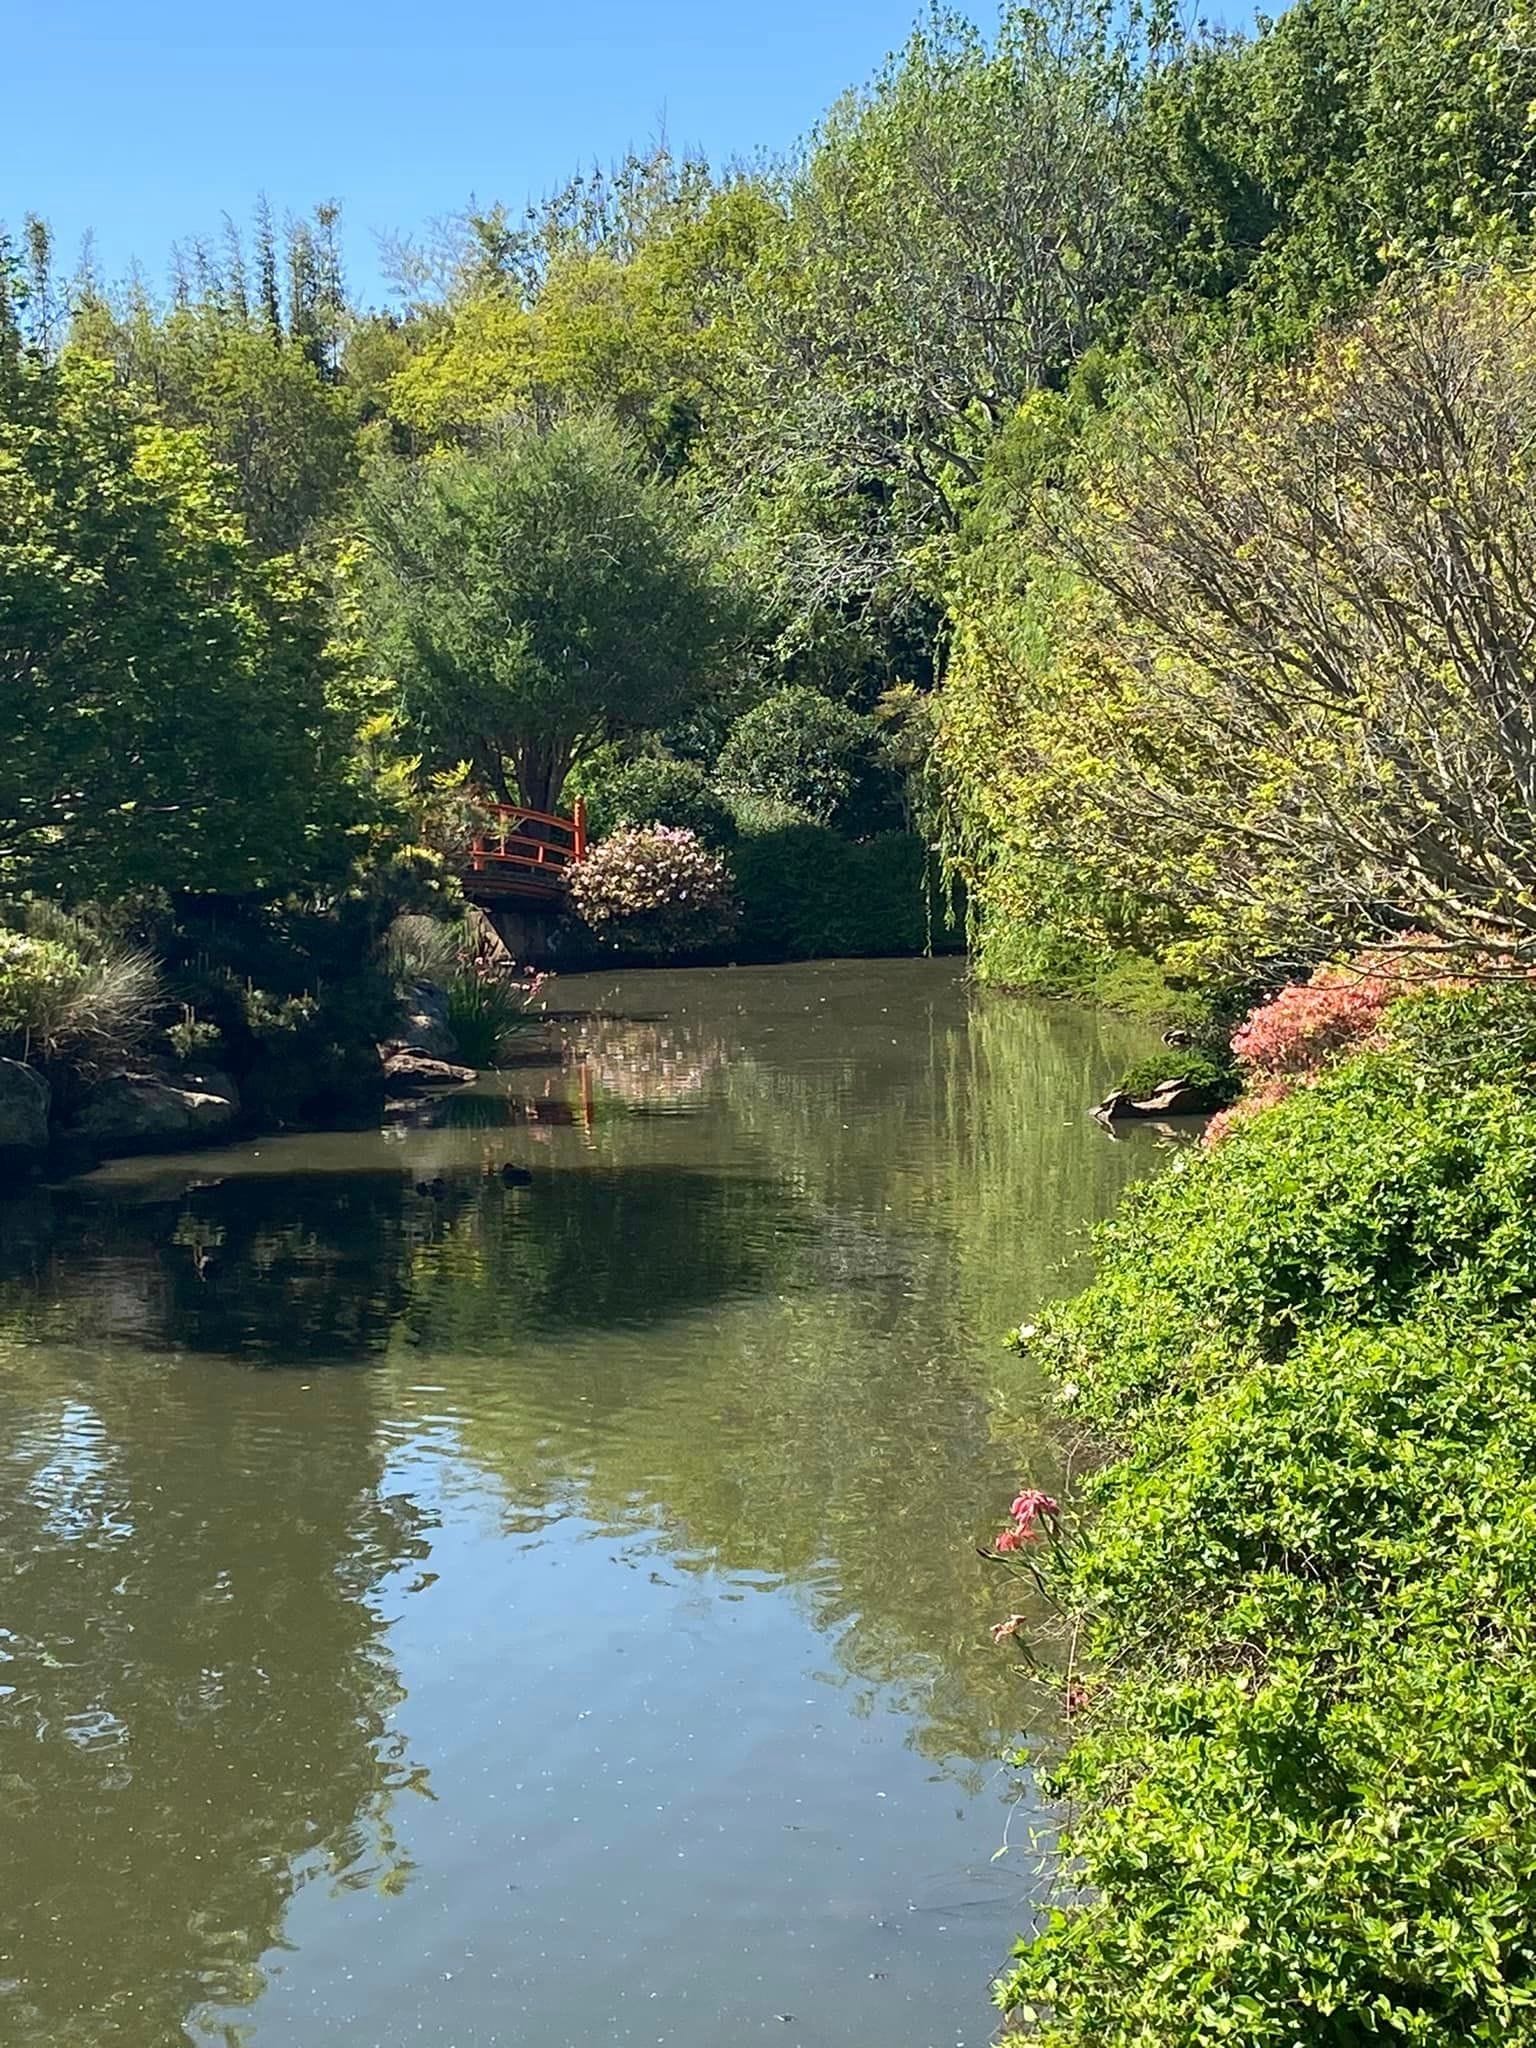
{"x":71,"y":998}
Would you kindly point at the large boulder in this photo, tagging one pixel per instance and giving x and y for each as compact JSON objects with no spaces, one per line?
{"x":408,"y":1073}
{"x":146,"y":1112}
{"x":423,"y":1023}
{"x":24,"y":1100}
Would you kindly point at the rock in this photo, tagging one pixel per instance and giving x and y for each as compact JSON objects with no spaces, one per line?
{"x":24,"y":1100}
{"x":210,"y":1081}
{"x":424,"y":1023}
{"x":141,"y":1112}
{"x":406,"y":1072}
{"x":1174,"y":1097}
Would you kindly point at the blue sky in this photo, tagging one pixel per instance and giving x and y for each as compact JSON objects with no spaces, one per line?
{"x":146,"y":122}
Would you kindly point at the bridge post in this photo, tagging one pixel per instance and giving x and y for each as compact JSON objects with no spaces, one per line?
{"x":579,"y":820}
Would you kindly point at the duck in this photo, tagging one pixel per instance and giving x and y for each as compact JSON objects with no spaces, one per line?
{"x":516,"y":1176}
{"x":436,"y":1188}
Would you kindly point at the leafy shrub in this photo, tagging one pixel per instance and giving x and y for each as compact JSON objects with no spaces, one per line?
{"x":658,"y":790}
{"x":1303,"y":1808}
{"x":804,"y":750}
{"x":1292,"y":1037}
{"x":298,"y":994}
{"x":1027,"y":957}
{"x":422,"y":948}
{"x":753,"y":815}
{"x":1465,"y":1034}
{"x":1293,"y":1033}
{"x":1305,"y":1603}
{"x":654,"y":889}
{"x":73,"y":999}
{"x":193,"y":1039}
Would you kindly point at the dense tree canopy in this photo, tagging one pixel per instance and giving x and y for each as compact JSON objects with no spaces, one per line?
{"x":539,"y":597}
{"x":875,"y":385}
{"x":164,"y":710}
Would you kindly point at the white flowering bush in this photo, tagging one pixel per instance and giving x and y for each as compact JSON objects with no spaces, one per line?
{"x":654,"y":889}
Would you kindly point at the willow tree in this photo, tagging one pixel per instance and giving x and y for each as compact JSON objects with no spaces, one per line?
{"x":538,"y":598}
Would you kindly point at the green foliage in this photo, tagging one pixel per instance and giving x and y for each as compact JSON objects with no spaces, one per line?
{"x":656,"y":789}
{"x":809,"y":894}
{"x":1300,"y":1783}
{"x":298,"y":994}
{"x":1214,"y":1080}
{"x":1185,"y":680}
{"x":1304,"y":1808}
{"x":70,"y":999}
{"x":1464,"y":1036}
{"x":487,"y":1014}
{"x":538,"y":599}
{"x":615,"y":297}
{"x":1049,"y":961}
{"x":266,"y":413}
{"x":1283,"y":177}
{"x":418,"y":947}
{"x":165,"y":717}
{"x":808,"y":753}
{"x":937,"y":262}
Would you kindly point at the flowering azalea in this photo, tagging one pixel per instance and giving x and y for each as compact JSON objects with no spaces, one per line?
{"x":1286,"y":1042}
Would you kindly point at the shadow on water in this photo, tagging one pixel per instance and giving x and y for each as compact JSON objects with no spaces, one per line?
{"x":309,"y":1269}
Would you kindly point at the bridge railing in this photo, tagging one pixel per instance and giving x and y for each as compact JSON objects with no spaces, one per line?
{"x":533,"y":848}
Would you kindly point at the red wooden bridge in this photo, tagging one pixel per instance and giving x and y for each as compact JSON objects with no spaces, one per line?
{"x":524,"y":855}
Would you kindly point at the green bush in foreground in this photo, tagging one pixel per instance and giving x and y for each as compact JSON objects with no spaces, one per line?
{"x":71,"y":998}
{"x":1302,"y":1797}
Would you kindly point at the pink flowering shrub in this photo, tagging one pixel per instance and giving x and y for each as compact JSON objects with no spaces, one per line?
{"x":1287,"y":1041}
{"x":654,"y":889}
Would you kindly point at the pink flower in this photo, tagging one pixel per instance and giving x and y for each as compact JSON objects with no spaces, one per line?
{"x":1029,"y":1507}
{"x":1008,"y":1540}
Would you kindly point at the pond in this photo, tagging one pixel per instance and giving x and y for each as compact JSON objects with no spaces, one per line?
{"x":450,"y":1612}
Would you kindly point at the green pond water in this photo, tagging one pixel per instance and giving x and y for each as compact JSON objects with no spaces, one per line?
{"x":545,"y":1614}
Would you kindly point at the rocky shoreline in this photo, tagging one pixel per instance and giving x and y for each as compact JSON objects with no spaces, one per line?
{"x":160,"y":1108}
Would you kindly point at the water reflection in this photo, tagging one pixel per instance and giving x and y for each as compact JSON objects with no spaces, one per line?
{"x":699,"y":1425}
{"x":197,"y":1693}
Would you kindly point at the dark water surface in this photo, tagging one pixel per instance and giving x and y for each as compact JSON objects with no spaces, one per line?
{"x":543,"y":1615}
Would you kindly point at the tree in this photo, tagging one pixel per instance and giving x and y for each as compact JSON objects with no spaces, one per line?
{"x":801,"y":751}
{"x":262,"y":382}
{"x":538,"y":598}
{"x":164,"y":710}
{"x":1281,"y":673}
{"x":604,"y":304}
{"x":952,"y":240}
{"x":1282,"y":177}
